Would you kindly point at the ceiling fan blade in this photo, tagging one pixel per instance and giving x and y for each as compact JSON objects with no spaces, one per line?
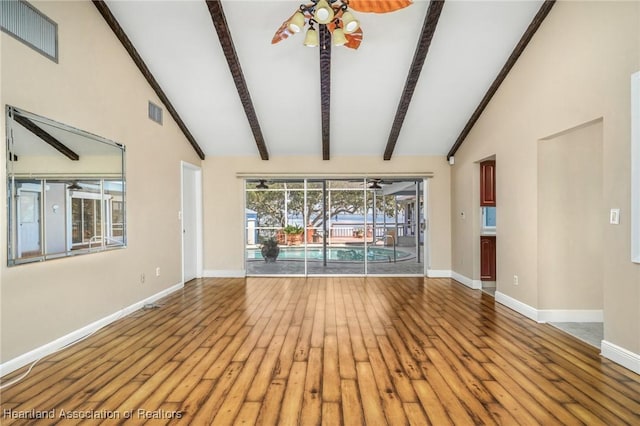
{"x":380,"y":6}
{"x":283,"y":32}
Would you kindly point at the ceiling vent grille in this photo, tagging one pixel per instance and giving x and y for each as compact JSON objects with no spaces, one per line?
{"x":155,"y":112}
{"x":25,"y":23}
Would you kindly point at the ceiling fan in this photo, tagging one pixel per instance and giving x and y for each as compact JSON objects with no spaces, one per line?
{"x":74,"y":186}
{"x":335,"y":15}
{"x":262,"y":184}
{"x":375,"y":184}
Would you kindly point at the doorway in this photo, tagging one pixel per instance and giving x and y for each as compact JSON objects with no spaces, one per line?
{"x":488,"y":243}
{"x":29,"y":219}
{"x":191,"y":215}
{"x":570,"y":227}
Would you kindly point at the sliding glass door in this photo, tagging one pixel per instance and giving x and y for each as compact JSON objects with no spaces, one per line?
{"x":342,"y":248}
{"x":334,"y":227}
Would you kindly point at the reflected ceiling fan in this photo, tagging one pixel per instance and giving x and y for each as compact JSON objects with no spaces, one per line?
{"x":74,"y":186}
{"x":262,"y":184}
{"x":375,"y":183}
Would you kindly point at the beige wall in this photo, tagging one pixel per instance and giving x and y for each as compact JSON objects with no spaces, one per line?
{"x":223,"y":199}
{"x":569,"y":219}
{"x":576,"y":69}
{"x":94,"y":87}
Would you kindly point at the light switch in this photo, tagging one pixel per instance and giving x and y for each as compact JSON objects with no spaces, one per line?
{"x":614,"y":217}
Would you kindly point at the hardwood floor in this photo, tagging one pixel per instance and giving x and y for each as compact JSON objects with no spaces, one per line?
{"x":327,"y":351}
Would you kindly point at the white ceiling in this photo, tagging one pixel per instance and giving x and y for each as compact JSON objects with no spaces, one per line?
{"x":179,"y":44}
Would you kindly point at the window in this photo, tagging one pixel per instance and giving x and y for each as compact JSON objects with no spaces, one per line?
{"x":488,"y":219}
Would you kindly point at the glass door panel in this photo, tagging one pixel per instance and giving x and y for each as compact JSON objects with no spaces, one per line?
{"x":274,"y":225}
{"x":396,"y":215}
{"x":342,"y":249}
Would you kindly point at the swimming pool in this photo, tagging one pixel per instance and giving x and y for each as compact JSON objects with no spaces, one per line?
{"x":334,"y":254}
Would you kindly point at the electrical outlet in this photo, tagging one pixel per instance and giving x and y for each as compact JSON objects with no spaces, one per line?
{"x":158,"y":271}
{"x":142,"y":278}
{"x":515,"y":280}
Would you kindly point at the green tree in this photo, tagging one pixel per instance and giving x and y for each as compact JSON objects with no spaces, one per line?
{"x":270,"y":205}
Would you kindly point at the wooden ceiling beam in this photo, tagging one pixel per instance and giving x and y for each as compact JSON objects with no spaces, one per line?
{"x":428,"y":29}
{"x":55,"y":143}
{"x":224,"y":35}
{"x":325,"y":88}
{"x":511,"y":61}
{"x":137,"y":59}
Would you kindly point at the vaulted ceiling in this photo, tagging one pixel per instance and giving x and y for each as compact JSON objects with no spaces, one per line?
{"x":420,"y":78}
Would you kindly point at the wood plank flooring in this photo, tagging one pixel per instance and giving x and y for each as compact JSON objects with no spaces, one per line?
{"x":329,"y":351}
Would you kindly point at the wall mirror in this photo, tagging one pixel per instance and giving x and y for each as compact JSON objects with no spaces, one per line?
{"x":65,"y":190}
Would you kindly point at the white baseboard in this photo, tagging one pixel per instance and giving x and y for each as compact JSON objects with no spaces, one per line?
{"x":51,"y":347}
{"x":570,"y":315}
{"x":438,"y":273}
{"x":621,"y":356}
{"x":550,"y":315}
{"x":224,"y":273}
{"x":474,"y":284}
{"x":516,"y":305}
{"x":376,"y":275}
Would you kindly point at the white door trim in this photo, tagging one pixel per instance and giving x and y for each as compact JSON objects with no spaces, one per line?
{"x":426,"y":238}
{"x":198,"y":195}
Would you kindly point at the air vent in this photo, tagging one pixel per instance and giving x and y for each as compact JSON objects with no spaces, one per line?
{"x":155,"y":112}
{"x":26,"y":23}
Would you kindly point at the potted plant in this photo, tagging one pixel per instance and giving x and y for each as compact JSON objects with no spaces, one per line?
{"x":294,"y":234}
{"x":270,"y":250}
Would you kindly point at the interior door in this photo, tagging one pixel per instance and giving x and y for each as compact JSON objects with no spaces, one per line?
{"x":189,"y":224}
{"x":28,"y":214}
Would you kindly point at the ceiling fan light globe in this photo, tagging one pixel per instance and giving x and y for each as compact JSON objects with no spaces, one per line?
{"x":351,"y":24}
{"x":296,"y":23}
{"x":324,"y":12}
{"x":311,"y":39}
{"x":338,"y":37}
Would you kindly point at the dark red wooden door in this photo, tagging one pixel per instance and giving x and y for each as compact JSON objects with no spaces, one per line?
{"x":488,"y":258}
{"x":488,"y":183}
